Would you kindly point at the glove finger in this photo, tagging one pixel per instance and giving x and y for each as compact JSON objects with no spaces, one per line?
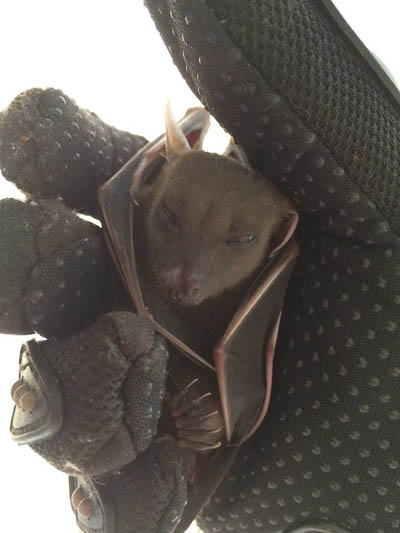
{"x":101,"y":429}
{"x":290,"y":87}
{"x":303,"y":105}
{"x":148,"y":495}
{"x":53,"y":269}
{"x":49,"y":147}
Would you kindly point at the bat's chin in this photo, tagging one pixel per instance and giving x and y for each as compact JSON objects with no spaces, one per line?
{"x":184,"y":294}
{"x":189,"y":302}
{"x":180,"y":298}
{"x":183,"y":300}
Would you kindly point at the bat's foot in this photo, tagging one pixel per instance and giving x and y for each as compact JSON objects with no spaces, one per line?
{"x":197,"y":417}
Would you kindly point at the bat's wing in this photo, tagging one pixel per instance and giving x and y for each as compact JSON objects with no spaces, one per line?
{"x":216,"y":466}
{"x":243,"y":361}
{"x":117,"y":199}
{"x":244,"y":356}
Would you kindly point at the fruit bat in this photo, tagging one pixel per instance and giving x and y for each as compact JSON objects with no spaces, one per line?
{"x":204,"y":247}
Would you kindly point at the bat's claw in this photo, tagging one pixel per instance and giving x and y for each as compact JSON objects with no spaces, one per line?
{"x":197,"y":417}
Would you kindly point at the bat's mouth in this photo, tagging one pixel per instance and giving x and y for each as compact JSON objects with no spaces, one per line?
{"x":184,"y":295}
{"x":176,"y":296}
{"x":183,"y":300}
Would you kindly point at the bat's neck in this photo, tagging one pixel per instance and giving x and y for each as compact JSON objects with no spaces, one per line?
{"x":210,"y":319}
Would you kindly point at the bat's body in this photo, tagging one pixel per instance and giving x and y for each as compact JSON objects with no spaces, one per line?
{"x":208,"y":224}
{"x":205,"y":228}
{"x":195,"y":237}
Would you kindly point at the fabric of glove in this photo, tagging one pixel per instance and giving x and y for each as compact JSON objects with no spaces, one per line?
{"x":56,"y":278}
{"x":112,"y":380}
{"x":297,"y":95}
{"x":52,"y":148}
{"x":55,"y":275}
{"x":147,"y":495}
{"x":313,"y":118}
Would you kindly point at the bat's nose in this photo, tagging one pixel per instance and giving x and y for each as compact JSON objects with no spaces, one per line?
{"x":182,"y":284}
{"x":191,"y":287}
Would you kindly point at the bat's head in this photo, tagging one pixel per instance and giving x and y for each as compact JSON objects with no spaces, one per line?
{"x":210,"y":222}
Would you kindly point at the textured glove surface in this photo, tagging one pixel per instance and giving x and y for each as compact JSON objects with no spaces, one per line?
{"x":56,"y":278}
{"x":287,"y":84}
{"x":150,"y":493}
{"x":51,"y":147}
{"x":112,"y":380}
{"x":54,"y":273}
{"x":282,"y":78}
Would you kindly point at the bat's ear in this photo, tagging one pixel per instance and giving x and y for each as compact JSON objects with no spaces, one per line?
{"x":176,"y":142}
{"x":285,"y":231}
{"x":196,"y":138}
{"x":117,"y":195}
{"x":236,"y":152}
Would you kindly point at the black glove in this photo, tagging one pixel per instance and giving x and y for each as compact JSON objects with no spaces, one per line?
{"x":320,"y":119}
{"x":87,"y":400}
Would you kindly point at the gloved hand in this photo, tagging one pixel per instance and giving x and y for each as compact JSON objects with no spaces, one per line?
{"x":320,"y":119}
{"x":88,"y":398}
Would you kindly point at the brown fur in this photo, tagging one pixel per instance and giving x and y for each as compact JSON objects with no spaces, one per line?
{"x":213,"y":199}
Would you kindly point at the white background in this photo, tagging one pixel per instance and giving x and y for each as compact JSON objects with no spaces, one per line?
{"x":109,"y":57}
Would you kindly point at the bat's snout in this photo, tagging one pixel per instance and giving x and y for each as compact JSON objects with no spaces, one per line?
{"x":182,"y":287}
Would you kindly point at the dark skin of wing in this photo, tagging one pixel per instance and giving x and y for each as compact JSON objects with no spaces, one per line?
{"x":205,"y":226}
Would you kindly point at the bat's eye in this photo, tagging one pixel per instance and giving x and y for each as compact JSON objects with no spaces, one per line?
{"x":244,"y":239}
{"x":168,"y":214}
